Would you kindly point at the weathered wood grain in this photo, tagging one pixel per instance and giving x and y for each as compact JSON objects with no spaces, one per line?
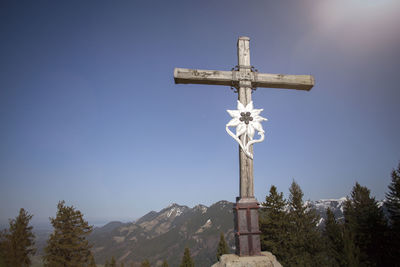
{"x":298,"y":82}
{"x":246,"y":176}
{"x":229,"y":78}
{"x":215,"y":77}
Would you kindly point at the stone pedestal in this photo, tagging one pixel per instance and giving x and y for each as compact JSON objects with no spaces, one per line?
{"x":231,"y":260}
{"x":247,"y":232}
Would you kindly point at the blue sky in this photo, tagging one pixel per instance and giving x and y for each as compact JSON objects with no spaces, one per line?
{"x":90,"y":114}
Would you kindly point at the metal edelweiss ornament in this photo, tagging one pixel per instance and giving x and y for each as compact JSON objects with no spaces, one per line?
{"x":246,"y":120}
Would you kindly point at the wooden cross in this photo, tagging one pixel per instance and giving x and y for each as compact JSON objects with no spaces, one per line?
{"x":244,"y":78}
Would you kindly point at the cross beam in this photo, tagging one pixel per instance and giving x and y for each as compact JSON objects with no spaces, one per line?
{"x":245,"y":78}
{"x":232,"y":78}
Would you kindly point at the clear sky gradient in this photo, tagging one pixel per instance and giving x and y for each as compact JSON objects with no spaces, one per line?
{"x":90,"y":114}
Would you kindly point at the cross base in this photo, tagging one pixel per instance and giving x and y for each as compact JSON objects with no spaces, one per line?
{"x":247,"y":232}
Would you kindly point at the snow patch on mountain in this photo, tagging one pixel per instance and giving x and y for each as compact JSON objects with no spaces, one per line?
{"x":205,"y":226}
{"x":177,"y":210}
{"x":203,"y":209}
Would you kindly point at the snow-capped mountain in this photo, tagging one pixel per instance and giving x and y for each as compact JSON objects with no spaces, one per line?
{"x":335,"y":205}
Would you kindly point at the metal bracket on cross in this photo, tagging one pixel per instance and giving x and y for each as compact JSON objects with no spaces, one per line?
{"x":240,"y":76}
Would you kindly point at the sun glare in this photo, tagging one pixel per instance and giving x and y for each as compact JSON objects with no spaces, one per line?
{"x":359,"y":23}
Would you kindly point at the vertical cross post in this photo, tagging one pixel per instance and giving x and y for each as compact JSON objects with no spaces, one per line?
{"x":247,"y":233}
{"x":244,"y":95}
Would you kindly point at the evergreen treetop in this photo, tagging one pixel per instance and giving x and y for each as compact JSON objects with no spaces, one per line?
{"x":305,"y":241}
{"x":274,"y":202}
{"x":222,"y":246}
{"x":296,"y":198}
{"x":392,"y":204}
{"x":16,"y":244}
{"x":113,"y":263}
{"x":366,"y":221}
{"x":274,"y":224}
{"x":67,"y":245}
{"x":145,"y":263}
{"x":187,"y":259}
{"x":393,"y":200}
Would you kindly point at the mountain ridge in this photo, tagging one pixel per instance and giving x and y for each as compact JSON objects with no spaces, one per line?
{"x":163,"y":235}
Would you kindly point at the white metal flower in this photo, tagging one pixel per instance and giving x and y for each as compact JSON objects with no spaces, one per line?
{"x":247,"y":120}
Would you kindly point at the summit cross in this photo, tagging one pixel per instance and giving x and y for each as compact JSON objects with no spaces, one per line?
{"x":245,"y":79}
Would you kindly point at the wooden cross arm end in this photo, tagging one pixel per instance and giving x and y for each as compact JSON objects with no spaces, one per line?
{"x":215,"y":77}
{"x":298,"y":82}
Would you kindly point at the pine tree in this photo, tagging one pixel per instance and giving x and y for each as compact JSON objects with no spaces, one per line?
{"x":92,"y":263}
{"x":107,"y":264}
{"x":366,"y":221}
{"x":222,"y":246}
{"x":392,"y":204}
{"x":274,"y":224}
{"x":122,"y":264}
{"x":305,"y":241}
{"x":333,"y":234}
{"x":187,"y":259}
{"x":3,"y":248}
{"x":17,"y":242}
{"x":351,"y":253}
{"x":165,"y":263}
{"x":145,"y":263}
{"x":113,"y":263}
{"x":67,"y":245}
{"x":393,"y":199}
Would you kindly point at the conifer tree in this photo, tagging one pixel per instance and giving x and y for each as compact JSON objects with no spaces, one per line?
{"x":222,"y":246}
{"x":333,"y":234}
{"x":393,"y":199}
{"x":365,"y":220}
{"x":122,"y":264}
{"x":2,"y":260}
{"x":351,"y":253}
{"x":67,"y":245}
{"x":187,"y":259}
{"x":392,"y":204}
{"x":2,"y":248}
{"x":305,"y":241}
{"x":165,"y":263}
{"x":145,"y":263}
{"x":17,"y":242}
{"x":107,"y":264}
{"x":92,"y":263}
{"x":274,"y":224}
{"x":113,"y":263}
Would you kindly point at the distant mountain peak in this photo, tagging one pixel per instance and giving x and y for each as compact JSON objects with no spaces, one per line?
{"x":222,"y":203}
{"x":173,"y":204}
{"x":164,"y":234}
{"x":201,"y":208}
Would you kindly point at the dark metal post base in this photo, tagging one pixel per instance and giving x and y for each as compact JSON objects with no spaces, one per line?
{"x":247,"y":231}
